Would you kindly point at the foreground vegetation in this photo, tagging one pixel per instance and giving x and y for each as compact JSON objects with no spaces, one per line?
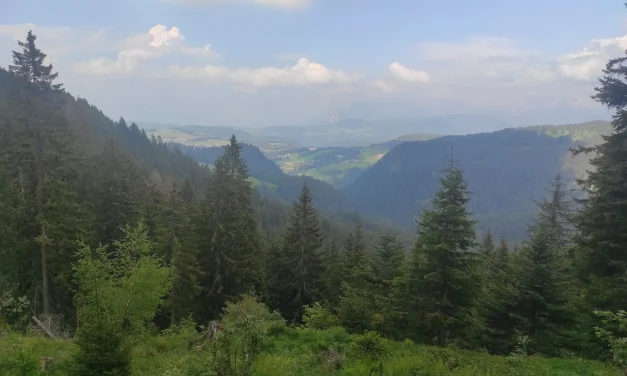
{"x":294,"y":352}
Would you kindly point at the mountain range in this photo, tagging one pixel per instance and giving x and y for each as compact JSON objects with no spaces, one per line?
{"x":507,"y":171}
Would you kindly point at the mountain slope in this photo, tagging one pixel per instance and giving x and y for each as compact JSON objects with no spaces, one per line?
{"x":338,"y":166}
{"x":271,"y":182}
{"x":505,"y":170}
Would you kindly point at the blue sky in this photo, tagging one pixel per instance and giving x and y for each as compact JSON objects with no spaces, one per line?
{"x":266,"y":62}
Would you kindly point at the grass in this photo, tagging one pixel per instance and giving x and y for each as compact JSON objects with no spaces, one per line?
{"x":302,"y":352}
{"x":311,"y":163}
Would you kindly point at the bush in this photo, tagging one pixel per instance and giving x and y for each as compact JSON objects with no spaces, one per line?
{"x":371,"y":345}
{"x":318,"y":317}
{"x":245,"y":328}
{"x":355,"y":312}
{"x":102,"y":352}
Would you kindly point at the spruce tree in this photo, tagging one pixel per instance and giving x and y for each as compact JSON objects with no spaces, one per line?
{"x":388,"y":261}
{"x":29,"y":64}
{"x":303,"y":279}
{"x":230,"y":250}
{"x":487,"y":245}
{"x":602,"y":221}
{"x":48,"y":169}
{"x":540,"y":301}
{"x":356,"y":262}
{"x":445,"y":281}
{"x":557,"y":212}
{"x":333,"y":273}
{"x":497,"y":331}
{"x":389,"y":270}
{"x":176,"y":245}
{"x":115,"y":193}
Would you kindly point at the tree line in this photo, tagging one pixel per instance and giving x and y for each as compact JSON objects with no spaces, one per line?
{"x":96,"y":240}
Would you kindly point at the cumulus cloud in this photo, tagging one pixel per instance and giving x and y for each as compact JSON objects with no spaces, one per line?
{"x":403,"y":73}
{"x":304,"y":72}
{"x":157,"y":42}
{"x":399,"y":76}
{"x":587,"y":64}
{"x":278,"y":4}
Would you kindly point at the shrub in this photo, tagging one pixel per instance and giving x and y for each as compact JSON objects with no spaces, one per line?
{"x":318,"y":317}
{"x":245,"y":328}
{"x":101,"y":351}
{"x":371,"y":345}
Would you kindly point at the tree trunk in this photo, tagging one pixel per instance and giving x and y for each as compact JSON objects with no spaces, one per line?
{"x":40,"y":205}
{"x":44,"y":274}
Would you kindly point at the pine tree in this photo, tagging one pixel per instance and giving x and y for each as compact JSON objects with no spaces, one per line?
{"x":356,"y":262}
{"x":303,"y":280}
{"x":230,"y":250}
{"x":557,"y":212}
{"x":388,"y":261}
{"x":48,"y":172}
{"x":115,"y":193}
{"x":333,"y":273}
{"x":540,"y":302}
{"x":29,"y":64}
{"x":389,"y":270}
{"x":176,"y":242}
{"x":487,"y":246}
{"x":602,"y":221}
{"x":445,"y":281}
{"x":357,"y":303}
{"x":497,"y":332}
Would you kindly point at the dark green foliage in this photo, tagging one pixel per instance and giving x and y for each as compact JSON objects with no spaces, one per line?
{"x":602,"y":221}
{"x":443,"y":276}
{"x":102,"y":352}
{"x":273,"y":183}
{"x":300,"y":274}
{"x":389,"y":259}
{"x":29,"y":65}
{"x":116,"y":189}
{"x":229,"y":242}
{"x":176,"y":242}
{"x":334,"y":273}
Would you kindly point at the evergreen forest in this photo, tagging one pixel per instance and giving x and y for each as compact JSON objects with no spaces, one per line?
{"x":122,"y":255}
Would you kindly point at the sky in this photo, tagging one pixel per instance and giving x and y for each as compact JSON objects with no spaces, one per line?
{"x":254,"y":63}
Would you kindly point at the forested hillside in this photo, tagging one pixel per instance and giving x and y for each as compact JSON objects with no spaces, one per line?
{"x":271,"y":182}
{"x":506,"y":171}
{"x":116,"y":252}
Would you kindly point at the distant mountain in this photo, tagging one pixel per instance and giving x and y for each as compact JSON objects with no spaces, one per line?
{"x":338,"y":165}
{"x":505,"y":170}
{"x":271,"y":182}
{"x":344,"y":133}
{"x":359,"y":132}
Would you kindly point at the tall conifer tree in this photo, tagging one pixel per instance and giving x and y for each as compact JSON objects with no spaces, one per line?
{"x":303,"y":279}
{"x":602,"y":221}
{"x":446,"y":282}
{"x":230,"y":243}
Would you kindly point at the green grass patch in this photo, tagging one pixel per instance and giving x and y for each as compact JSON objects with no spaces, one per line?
{"x":297,"y":352}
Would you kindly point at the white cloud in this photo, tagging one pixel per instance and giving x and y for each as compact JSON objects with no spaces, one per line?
{"x":305,"y":72}
{"x":155,"y":43}
{"x":587,"y":64}
{"x":277,"y":4}
{"x":474,"y":48}
{"x":161,"y":36}
{"x":205,"y":51}
{"x":403,"y":73}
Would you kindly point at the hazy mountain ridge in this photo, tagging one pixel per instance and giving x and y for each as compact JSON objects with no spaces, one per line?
{"x":505,"y":170}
